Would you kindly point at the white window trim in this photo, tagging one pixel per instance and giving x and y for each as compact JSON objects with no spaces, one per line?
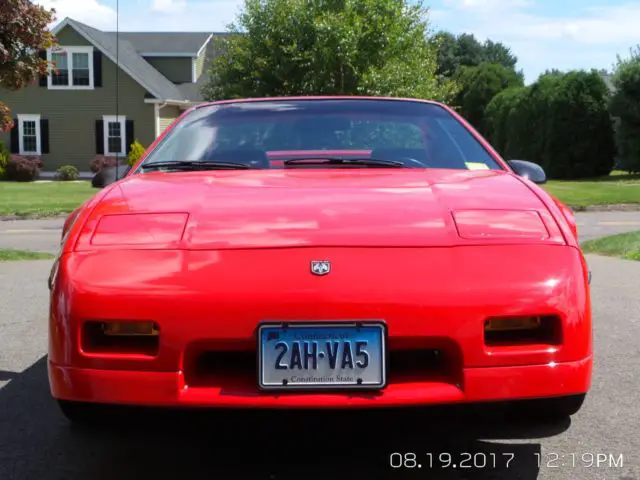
{"x":123,"y":134}
{"x":194,"y":73}
{"x":70,"y":51}
{"x":26,"y":118}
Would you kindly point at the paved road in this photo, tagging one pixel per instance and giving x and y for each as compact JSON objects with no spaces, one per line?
{"x":599,"y":224}
{"x":36,"y":443}
{"x":44,"y":235}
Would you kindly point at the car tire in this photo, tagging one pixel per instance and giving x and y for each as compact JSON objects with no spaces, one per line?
{"x":81,"y":413}
{"x":557,"y":408}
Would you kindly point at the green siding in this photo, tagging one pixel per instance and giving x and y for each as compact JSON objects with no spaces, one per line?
{"x":72,"y":114}
{"x":69,"y":37}
{"x":167,"y":115}
{"x":176,"y":69}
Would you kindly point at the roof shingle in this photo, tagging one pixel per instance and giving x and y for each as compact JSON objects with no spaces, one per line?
{"x":127,"y":46}
{"x":165,"y":42}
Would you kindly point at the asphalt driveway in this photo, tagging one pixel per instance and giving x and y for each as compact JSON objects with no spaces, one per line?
{"x":601,"y":442}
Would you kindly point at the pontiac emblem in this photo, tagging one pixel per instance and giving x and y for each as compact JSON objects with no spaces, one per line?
{"x":320,"y":267}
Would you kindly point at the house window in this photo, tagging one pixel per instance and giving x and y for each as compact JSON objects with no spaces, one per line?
{"x":73,"y":68}
{"x":29,"y":128}
{"x":114,"y":135}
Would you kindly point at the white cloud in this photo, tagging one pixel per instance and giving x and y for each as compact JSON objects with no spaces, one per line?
{"x":210,"y":15}
{"x":598,"y":26}
{"x":168,"y":6}
{"x":594,"y":26}
{"x":588,"y":37}
{"x":91,"y":12}
{"x":487,"y":5}
{"x":149,"y":15}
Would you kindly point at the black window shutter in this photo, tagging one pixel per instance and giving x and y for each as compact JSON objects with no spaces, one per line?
{"x":129,"y":135}
{"x":100,"y":137}
{"x":97,"y":68}
{"x":44,"y":135}
{"x":15,"y":137}
{"x":43,"y":79}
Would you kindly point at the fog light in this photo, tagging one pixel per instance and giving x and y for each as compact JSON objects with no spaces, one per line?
{"x":130,"y":329}
{"x":509,"y":324}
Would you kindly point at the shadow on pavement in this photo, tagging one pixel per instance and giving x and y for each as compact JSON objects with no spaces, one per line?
{"x":36,"y":442}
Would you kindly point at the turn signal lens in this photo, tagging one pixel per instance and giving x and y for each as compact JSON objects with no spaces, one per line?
{"x":130,"y":329}
{"x":516,"y":323}
{"x":510,"y":331}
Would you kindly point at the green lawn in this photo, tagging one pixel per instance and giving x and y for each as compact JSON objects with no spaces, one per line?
{"x":7,"y":255}
{"x":42,"y":199}
{"x":52,"y":198}
{"x":624,"y":245}
{"x":615,"y":188}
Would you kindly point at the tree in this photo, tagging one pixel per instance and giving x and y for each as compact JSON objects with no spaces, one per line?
{"x":445,"y":44}
{"x":23,"y":33}
{"x":625,"y":106}
{"x":478,"y":87}
{"x":561,"y":122}
{"x":464,"y":50}
{"x":496,"y":52}
{"x":327,"y":47}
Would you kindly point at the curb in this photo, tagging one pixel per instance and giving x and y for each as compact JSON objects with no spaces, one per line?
{"x":614,"y":207}
{"x":10,"y":218}
{"x":622,"y":207}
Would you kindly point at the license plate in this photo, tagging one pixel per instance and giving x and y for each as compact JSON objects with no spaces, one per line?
{"x":322,"y":356}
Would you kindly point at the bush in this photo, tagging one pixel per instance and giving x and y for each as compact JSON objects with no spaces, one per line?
{"x":4,"y":160}
{"x":137,"y":150}
{"x":480,"y":84}
{"x":561,"y":122}
{"x":625,"y":106}
{"x":101,"y":162}
{"x":67,"y":173}
{"x":22,"y":168}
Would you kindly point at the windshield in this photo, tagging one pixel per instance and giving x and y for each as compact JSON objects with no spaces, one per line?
{"x":308,"y":133}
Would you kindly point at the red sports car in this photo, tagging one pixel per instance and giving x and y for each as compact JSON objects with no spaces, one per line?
{"x":320,"y":252}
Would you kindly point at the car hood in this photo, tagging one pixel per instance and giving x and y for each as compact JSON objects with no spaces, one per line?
{"x":345,"y":207}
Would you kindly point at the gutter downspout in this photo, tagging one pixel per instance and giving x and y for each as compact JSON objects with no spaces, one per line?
{"x":156,"y":116}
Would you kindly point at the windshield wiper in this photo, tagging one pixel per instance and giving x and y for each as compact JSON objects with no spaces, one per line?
{"x":195,"y":165}
{"x":365,"y":161}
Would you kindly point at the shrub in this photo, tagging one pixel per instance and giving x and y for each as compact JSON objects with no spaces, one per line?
{"x":22,"y":168}
{"x":480,"y":84}
{"x":67,"y":173}
{"x":625,"y":106}
{"x":101,"y":162}
{"x":4,"y":160}
{"x":561,"y":122}
{"x":137,"y":150}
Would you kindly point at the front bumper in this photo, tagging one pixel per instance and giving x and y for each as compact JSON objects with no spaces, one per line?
{"x":213,"y":301}
{"x":166,"y":389}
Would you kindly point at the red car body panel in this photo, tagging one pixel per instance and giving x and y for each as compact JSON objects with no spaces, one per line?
{"x":208,"y":256}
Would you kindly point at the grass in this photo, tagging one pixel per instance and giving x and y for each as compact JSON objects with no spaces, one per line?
{"x":623,"y":245}
{"x":7,"y":255}
{"x":617,"y":188}
{"x":53,"y":198}
{"x":42,"y":199}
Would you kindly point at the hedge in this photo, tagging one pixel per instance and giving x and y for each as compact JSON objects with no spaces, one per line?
{"x":561,"y":122}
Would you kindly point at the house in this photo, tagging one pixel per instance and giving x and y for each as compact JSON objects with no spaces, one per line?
{"x":108,"y":89}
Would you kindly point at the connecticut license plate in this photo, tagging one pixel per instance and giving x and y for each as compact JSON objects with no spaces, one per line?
{"x":322,"y":356}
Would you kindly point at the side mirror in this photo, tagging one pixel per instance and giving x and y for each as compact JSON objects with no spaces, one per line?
{"x":529,"y":170}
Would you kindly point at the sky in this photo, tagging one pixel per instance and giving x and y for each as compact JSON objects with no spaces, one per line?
{"x":543,"y":34}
